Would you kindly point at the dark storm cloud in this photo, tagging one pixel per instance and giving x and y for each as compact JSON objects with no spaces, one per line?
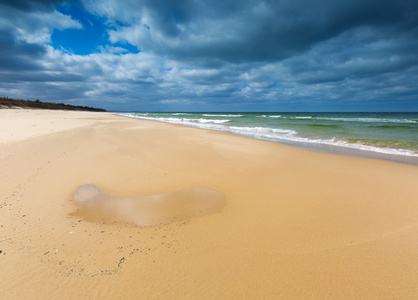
{"x":16,"y":55}
{"x":217,"y":55}
{"x":330,"y":61}
{"x":246,"y":30}
{"x":28,"y":5}
{"x":39,"y":77}
{"x":25,"y":29}
{"x":24,"y":33}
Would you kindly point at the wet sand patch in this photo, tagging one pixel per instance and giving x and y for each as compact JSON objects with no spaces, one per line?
{"x":147,"y":210}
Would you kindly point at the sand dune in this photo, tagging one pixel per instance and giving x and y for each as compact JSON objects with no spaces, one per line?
{"x":295,"y":224}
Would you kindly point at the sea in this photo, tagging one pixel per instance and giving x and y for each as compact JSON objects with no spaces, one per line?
{"x":381,"y":135}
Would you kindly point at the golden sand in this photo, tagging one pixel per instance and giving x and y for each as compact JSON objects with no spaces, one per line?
{"x":294,"y":224}
{"x":148,"y":210}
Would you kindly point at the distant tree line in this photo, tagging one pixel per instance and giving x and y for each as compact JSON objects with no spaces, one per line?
{"x":6,"y":102}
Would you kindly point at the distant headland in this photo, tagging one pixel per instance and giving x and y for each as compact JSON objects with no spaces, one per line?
{"x":6,"y":102}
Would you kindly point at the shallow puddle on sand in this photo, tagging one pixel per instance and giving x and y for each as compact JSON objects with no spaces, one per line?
{"x":147,"y":210}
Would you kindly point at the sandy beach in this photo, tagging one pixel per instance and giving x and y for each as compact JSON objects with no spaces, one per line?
{"x":284,"y":223}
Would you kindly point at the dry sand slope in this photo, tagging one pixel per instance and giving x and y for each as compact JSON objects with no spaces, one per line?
{"x":294,"y":224}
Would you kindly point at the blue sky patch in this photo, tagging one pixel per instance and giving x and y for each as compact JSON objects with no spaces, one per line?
{"x":89,"y":39}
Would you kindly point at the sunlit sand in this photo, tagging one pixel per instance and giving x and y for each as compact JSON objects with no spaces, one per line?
{"x":174,"y":212}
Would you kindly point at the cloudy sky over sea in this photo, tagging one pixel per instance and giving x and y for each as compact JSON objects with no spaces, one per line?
{"x":201,"y":55}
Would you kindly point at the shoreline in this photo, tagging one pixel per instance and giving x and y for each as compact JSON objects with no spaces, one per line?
{"x":315,"y":147}
{"x":351,"y":152}
{"x":295,"y":224}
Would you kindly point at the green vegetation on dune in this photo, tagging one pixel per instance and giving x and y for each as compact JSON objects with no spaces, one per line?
{"x":6,"y":102}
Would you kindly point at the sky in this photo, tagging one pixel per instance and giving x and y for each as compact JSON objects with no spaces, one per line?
{"x":212,"y":55}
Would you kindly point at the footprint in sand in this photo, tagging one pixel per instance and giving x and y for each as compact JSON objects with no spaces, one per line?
{"x":147,"y":210}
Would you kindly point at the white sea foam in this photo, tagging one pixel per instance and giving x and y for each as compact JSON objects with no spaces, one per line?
{"x":209,"y":121}
{"x":233,"y":116}
{"x":278,"y":135}
{"x":359,"y":146}
{"x":175,"y":120}
{"x":368,"y":120}
{"x":274,"y":134}
{"x":269,"y":116}
{"x":262,"y":131}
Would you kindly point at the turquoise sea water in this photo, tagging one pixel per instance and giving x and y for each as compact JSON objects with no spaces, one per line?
{"x":392,"y":136}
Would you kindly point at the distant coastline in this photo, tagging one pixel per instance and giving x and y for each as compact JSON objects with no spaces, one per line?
{"x":6,"y":102}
